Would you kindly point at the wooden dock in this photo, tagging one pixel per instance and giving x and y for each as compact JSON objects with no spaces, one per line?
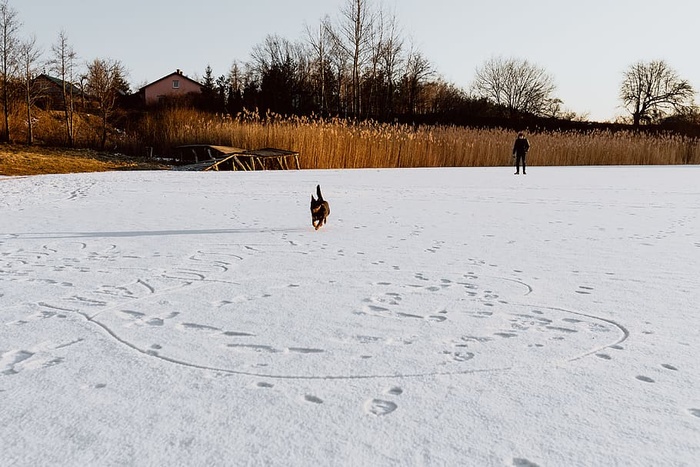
{"x":204,"y":157}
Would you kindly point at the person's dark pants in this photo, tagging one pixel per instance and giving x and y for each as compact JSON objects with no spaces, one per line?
{"x":519,"y":159}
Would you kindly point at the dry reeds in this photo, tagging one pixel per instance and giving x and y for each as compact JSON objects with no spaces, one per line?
{"x":330,"y":143}
{"x":336,"y":143}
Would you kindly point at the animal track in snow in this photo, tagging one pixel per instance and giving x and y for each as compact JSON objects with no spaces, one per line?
{"x":44,"y":355}
{"x":521,"y":462}
{"x":458,"y":318}
{"x":408,"y":325}
{"x":313,"y":399}
{"x":10,"y":361}
{"x":379,"y":407}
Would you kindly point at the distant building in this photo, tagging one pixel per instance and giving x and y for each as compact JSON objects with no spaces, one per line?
{"x":173,"y":85}
{"x":51,"y":89}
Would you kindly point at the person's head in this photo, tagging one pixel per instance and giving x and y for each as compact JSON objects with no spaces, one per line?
{"x":521,"y":135}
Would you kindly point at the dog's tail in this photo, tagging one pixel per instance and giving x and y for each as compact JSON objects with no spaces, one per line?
{"x":318,"y":193}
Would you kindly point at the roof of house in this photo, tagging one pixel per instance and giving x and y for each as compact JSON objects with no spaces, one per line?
{"x":177,"y":73}
{"x":58,"y":82}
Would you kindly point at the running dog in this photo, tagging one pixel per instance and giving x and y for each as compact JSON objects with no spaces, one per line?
{"x":319,"y":209}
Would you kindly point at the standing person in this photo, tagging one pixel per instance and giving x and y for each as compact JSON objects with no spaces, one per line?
{"x":520,"y":149}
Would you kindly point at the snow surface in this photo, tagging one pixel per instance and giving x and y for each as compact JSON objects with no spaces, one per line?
{"x":442,"y":317}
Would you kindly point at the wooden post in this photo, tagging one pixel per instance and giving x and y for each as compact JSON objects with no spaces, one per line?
{"x":248,"y":164}
{"x":239,"y":163}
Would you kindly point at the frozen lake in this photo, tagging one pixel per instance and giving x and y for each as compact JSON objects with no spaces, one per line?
{"x":441,"y":317}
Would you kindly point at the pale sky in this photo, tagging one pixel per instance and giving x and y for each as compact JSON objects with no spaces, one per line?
{"x":584,"y":45}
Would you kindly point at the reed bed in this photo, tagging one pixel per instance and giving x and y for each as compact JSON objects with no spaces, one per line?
{"x":330,"y":143}
{"x":335,"y":143}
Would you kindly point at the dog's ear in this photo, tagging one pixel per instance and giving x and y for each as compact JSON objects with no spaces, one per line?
{"x":313,"y":200}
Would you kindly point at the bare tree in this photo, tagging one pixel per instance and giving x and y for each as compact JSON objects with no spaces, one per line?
{"x":418,"y":69}
{"x":104,"y":81}
{"x":63,"y":63}
{"x":29,"y":55}
{"x":442,"y":97}
{"x":651,"y":90}
{"x":9,"y":26}
{"x":278,"y":63}
{"x":390,"y":47}
{"x":339,"y":64}
{"x":516,"y":84}
{"x":275,"y":51}
{"x":354,"y":38}
{"x":320,"y":42}
{"x":364,"y":52}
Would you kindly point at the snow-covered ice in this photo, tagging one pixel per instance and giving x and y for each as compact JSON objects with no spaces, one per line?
{"x":441,"y":317}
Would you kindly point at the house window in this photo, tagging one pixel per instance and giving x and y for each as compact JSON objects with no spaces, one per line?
{"x":176,"y":84}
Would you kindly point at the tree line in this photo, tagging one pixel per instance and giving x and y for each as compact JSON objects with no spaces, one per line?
{"x":358,"y":65}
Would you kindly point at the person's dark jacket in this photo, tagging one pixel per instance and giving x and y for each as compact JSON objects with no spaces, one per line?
{"x":521,"y":147}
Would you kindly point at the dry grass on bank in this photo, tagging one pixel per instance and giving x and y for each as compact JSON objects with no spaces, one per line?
{"x":36,"y":160}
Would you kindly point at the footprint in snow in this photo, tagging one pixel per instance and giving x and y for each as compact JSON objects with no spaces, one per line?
{"x":379,"y":407}
{"x":520,"y":462}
